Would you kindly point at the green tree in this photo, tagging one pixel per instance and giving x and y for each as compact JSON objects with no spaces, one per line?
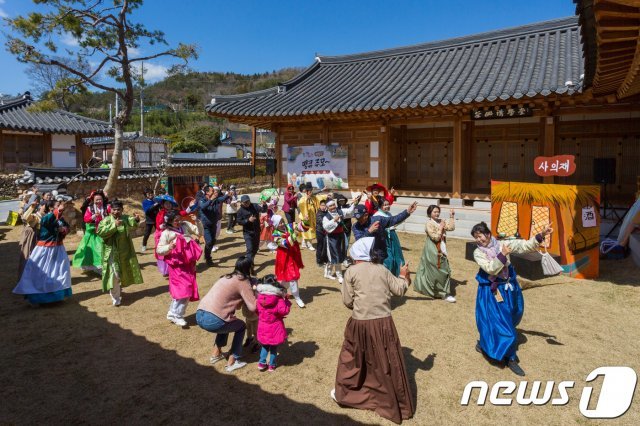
{"x":205,"y":135}
{"x":188,"y":146}
{"x":105,"y":36}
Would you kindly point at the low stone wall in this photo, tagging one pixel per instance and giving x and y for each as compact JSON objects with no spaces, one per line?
{"x":8,"y":187}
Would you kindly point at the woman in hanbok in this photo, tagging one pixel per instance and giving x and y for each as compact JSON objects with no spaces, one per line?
{"x":120,"y":266}
{"x":165,"y":204}
{"x":88,"y":255}
{"x":434,"y":273}
{"x":287,"y":237}
{"x":31,"y":219}
{"x":178,"y":244}
{"x":309,"y":205}
{"x":499,"y":303}
{"x":394,"y":259}
{"x":376,"y":195}
{"x":47,"y":276}
{"x":371,"y":373}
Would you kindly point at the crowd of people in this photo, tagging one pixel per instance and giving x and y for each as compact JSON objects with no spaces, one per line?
{"x":369,"y":272}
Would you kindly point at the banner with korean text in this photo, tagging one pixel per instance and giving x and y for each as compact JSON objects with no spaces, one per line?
{"x":324,"y":166}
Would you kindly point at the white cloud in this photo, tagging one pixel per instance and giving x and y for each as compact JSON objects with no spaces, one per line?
{"x":153,"y":72}
{"x":69,"y":40}
{"x":3,"y":14}
{"x":133,"y":51}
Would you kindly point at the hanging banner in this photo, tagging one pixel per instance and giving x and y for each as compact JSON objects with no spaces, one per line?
{"x":324,"y":166}
{"x":559,"y":165}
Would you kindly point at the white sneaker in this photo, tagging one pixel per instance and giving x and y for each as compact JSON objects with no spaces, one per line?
{"x":450,"y":299}
{"x":310,"y":247}
{"x":235,"y":366}
{"x":299,"y":302}
{"x":116,"y":302}
{"x":214,"y":249}
{"x":333,"y":395}
{"x":340,"y":280}
{"x":177,"y":320}
{"x":143,"y":249}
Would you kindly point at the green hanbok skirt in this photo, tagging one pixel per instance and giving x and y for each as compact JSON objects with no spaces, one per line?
{"x":89,"y":251}
{"x":433,"y":278}
{"x":394,"y":259}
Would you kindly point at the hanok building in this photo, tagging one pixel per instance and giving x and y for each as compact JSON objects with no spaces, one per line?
{"x":50,"y":139}
{"x":450,"y":116}
{"x":138,"y":150}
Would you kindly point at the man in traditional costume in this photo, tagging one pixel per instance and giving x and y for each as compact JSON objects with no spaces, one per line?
{"x":119,"y":262}
{"x":499,"y":303}
{"x":309,"y":205}
{"x":333,"y":224}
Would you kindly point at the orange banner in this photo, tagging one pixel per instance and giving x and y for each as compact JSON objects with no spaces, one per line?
{"x":559,"y":165}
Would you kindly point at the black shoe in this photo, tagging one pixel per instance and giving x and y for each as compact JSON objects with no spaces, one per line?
{"x":247,"y":342}
{"x":478,"y":348}
{"x":515,"y":367}
{"x":209,"y":262}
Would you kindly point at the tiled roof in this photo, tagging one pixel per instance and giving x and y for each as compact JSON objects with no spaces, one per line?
{"x":61,"y":175}
{"x":205,"y":162}
{"x":133,"y":137}
{"x":14,"y":115}
{"x":509,"y":64}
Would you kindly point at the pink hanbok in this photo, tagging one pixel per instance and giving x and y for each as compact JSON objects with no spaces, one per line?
{"x":181,"y":264}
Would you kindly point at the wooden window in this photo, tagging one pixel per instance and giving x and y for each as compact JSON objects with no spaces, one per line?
{"x":540,"y":216}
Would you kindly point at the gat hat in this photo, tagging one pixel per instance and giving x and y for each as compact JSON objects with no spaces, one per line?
{"x":245,"y":198}
{"x":359,"y":211}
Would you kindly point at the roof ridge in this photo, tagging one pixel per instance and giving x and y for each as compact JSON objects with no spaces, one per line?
{"x":486,"y":36}
{"x":82,"y":117}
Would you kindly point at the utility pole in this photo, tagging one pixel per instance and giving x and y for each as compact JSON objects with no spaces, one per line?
{"x":141,"y":101}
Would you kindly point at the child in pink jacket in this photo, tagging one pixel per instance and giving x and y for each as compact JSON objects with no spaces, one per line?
{"x":272,"y":306}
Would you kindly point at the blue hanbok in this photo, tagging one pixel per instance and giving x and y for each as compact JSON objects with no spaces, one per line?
{"x":499,"y":302}
{"x":395,"y":258}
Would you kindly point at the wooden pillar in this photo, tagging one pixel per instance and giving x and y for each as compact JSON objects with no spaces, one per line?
{"x":325,"y":133}
{"x":467,"y":143}
{"x":253,"y":152}
{"x":48,"y":151}
{"x":384,"y":156}
{"x":549,"y":147}
{"x":278,"y":148}
{"x":457,"y":158}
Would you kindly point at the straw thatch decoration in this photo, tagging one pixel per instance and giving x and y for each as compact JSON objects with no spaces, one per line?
{"x":542,"y":193}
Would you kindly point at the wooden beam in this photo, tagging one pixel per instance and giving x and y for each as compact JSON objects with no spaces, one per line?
{"x":278,"y":147}
{"x":253,"y":152}
{"x":549,"y":147}
{"x":384,"y":155}
{"x":457,"y":158}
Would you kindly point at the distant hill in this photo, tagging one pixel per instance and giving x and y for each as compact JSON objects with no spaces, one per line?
{"x":190,"y":91}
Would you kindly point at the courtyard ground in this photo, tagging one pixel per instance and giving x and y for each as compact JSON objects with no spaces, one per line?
{"x":84,"y":361}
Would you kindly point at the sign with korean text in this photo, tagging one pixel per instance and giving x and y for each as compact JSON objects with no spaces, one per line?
{"x":559,"y":165}
{"x":589,"y":217}
{"x":324,"y":166}
{"x":492,"y":113}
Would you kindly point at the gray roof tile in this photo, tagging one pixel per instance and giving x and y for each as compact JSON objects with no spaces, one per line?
{"x":513,"y":63}
{"x":14,"y":115}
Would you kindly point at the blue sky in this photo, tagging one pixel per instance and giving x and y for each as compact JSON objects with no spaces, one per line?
{"x":250,"y":36}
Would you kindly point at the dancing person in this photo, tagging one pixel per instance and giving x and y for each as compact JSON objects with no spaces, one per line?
{"x":120,"y":266}
{"x":179,"y":247}
{"x":47,"y":276}
{"x":216,"y":312}
{"x":333,"y":224}
{"x":163,"y":205}
{"x":248,"y":217}
{"x":376,"y":195}
{"x":209,"y":214}
{"x":232,"y":209}
{"x":88,"y":255}
{"x":434,"y":273}
{"x":32,"y":215}
{"x":499,"y":302}
{"x":321,"y":237}
{"x":394,"y":259}
{"x":266,"y":227}
{"x":366,"y":226}
{"x":371,"y":373}
{"x":290,"y":203}
{"x":287,"y":237}
{"x":272,"y":307}
{"x":309,"y":205}
{"x":150,"y":215}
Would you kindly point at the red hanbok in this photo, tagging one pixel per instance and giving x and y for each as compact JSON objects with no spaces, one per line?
{"x":288,"y":256}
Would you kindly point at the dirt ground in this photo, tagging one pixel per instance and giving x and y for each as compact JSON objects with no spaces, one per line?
{"x":84,"y":361}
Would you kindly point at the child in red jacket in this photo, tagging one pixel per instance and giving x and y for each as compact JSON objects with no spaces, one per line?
{"x":272,"y":306}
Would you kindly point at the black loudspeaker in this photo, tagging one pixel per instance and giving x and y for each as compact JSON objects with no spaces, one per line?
{"x":604,"y":170}
{"x":271,"y":166}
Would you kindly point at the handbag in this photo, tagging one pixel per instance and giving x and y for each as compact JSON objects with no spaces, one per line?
{"x":549,"y":264}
